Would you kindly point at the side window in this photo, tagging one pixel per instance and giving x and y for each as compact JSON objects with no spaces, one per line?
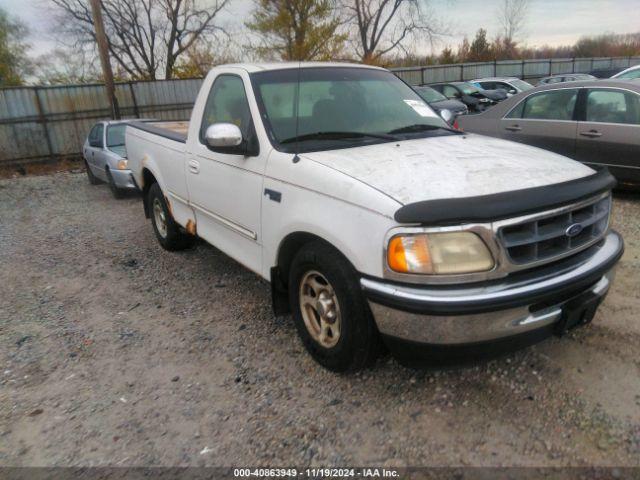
{"x":96,"y":135}
{"x":517,"y":111}
{"x":552,"y":105}
{"x":227,"y":103}
{"x":92,"y":134}
{"x":612,"y":106}
{"x":554,"y":80}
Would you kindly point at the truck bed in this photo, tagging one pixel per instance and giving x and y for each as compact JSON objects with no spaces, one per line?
{"x":169,"y":129}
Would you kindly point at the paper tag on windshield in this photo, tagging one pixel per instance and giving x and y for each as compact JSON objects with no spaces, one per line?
{"x":421,"y":108}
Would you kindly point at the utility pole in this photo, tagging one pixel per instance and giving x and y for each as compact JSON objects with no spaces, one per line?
{"x":103,"y":48}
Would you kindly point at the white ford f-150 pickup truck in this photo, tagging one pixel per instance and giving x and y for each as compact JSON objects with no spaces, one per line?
{"x":375,"y":222}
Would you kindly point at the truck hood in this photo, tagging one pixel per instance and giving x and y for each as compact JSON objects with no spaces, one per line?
{"x":450,"y":166}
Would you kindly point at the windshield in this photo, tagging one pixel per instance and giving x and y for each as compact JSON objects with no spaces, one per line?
{"x":521,"y":85}
{"x":340,"y":107}
{"x":429,"y":95}
{"x":115,"y":135}
{"x":467,"y":88}
{"x":630,"y":74}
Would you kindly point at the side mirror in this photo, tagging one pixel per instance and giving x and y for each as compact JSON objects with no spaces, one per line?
{"x":446,"y":115}
{"x":223,"y":135}
{"x":512,"y":91}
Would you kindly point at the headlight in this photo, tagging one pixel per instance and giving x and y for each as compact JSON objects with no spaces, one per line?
{"x":122,"y":164}
{"x":439,"y":253}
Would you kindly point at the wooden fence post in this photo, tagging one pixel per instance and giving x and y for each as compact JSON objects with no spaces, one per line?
{"x":136,"y":111}
{"x":42,"y":119}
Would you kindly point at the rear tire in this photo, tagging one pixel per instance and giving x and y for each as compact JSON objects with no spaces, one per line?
{"x":168,"y":232}
{"x":93,"y":180}
{"x":115,"y":191}
{"x":331,"y":314}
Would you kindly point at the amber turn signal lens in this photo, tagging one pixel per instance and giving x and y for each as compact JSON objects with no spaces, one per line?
{"x":396,"y":255}
{"x":409,"y":254}
{"x":122,"y":164}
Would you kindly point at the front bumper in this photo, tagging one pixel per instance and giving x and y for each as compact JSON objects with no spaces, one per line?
{"x":454,"y":315}
{"x":123,"y":179}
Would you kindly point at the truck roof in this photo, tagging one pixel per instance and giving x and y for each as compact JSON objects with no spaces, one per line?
{"x":258,"y":67}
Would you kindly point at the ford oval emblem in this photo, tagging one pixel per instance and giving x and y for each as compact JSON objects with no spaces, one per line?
{"x":573,"y":230}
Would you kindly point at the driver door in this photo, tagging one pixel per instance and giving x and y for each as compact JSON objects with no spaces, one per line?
{"x":225,"y":188}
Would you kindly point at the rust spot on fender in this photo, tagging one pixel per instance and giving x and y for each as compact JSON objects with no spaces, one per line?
{"x":191,"y":227}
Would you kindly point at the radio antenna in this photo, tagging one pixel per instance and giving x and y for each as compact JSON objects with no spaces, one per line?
{"x":296,"y":157}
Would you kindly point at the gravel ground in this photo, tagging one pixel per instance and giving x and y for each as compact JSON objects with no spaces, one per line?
{"x":115,"y":352}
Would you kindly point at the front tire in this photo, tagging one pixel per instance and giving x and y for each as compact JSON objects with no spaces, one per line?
{"x":167,"y":231}
{"x":331,"y":314}
{"x":115,"y":191}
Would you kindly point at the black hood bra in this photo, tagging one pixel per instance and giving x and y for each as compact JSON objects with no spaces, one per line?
{"x":497,"y":206}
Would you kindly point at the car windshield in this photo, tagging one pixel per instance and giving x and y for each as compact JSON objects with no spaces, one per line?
{"x":428,"y":94}
{"x":631,"y":74}
{"x":115,"y":135}
{"x":467,"y":88}
{"x":340,"y":107}
{"x":521,"y":85}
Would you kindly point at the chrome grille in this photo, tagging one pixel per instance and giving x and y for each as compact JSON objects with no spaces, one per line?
{"x":547,"y":236}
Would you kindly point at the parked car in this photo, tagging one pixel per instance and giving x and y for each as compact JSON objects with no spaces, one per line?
{"x":512,"y":85}
{"x":475,"y":99}
{"x":496,"y":95}
{"x":631,"y":73}
{"x":372,"y":219}
{"x":573,"y":77}
{"x":439,"y":102}
{"x":105,"y":156}
{"x":595,"y":122}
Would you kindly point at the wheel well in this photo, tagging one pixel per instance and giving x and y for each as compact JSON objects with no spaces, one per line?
{"x":147,"y":180}
{"x":291,"y":244}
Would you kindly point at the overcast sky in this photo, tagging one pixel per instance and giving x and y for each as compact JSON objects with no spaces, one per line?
{"x":552,"y":22}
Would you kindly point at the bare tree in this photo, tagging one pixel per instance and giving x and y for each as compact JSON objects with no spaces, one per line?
{"x":382,"y":26}
{"x":512,"y":17}
{"x":145,"y":37}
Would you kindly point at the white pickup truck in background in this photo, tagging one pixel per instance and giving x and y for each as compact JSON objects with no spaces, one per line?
{"x":374,"y":221}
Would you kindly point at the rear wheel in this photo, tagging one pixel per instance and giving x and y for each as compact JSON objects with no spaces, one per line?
{"x":331,"y":314}
{"x":168,"y":232}
{"x":93,"y":180}
{"x":115,"y":191}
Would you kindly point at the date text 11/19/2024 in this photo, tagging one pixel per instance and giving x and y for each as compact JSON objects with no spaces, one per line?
{"x":316,"y":472}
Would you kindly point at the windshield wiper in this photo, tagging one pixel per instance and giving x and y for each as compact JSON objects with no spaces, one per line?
{"x":418,"y":127}
{"x":337,"y":136}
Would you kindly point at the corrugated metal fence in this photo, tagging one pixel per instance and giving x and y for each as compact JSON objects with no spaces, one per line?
{"x":39,"y":123}
{"x":526,"y":69}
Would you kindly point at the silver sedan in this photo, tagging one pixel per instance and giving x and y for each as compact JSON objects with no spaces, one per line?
{"x":594,"y":122}
{"x":105,"y":157}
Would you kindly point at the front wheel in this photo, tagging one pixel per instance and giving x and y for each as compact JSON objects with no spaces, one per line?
{"x":167,"y":231}
{"x":331,"y":314}
{"x":115,"y":191}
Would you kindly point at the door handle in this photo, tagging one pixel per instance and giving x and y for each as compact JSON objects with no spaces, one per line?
{"x":514,"y":128}
{"x":591,"y":134}
{"x":194,"y":166}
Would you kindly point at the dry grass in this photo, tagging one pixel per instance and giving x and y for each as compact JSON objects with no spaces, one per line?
{"x":41,"y":168}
